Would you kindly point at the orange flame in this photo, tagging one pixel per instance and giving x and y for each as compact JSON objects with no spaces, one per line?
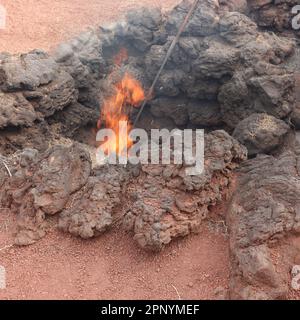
{"x":129,"y":92}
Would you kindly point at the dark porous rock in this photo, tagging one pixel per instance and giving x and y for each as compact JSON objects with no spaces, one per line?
{"x":150,"y":18}
{"x":271,"y":50}
{"x":143,"y":25}
{"x":65,"y":56}
{"x":166,"y":203}
{"x":41,"y":185}
{"x":40,"y":136}
{"x":200,"y":65}
{"x":91,"y":211}
{"x":234,"y":5}
{"x":54,"y":97}
{"x":237,"y":28}
{"x":220,"y":51}
{"x":27,"y":71}
{"x":295,"y":116}
{"x":254,"y":46}
{"x":203,"y":23}
{"x":183,"y":111}
{"x":73,"y":118}
{"x":204,"y":113}
{"x":223,"y":70}
{"x":203,"y":89}
{"x":87,"y":47}
{"x":217,"y":61}
{"x":140,"y":37}
{"x":82,"y":58}
{"x":262,"y":89}
{"x":195,"y":68}
{"x":276,"y":15}
{"x":173,"y":108}
{"x":33,"y":87}
{"x":265,"y":215}
{"x":256,"y":278}
{"x":264,"y":211}
{"x":169,"y":82}
{"x":257,"y":265}
{"x":15,"y":110}
{"x":155,"y":57}
{"x":261,"y":133}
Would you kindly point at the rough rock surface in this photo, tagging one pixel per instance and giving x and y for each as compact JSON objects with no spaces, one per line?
{"x":203,"y":23}
{"x":173,"y":108}
{"x":214,"y":66}
{"x":72,"y":118}
{"x":158,"y":202}
{"x":27,"y":71}
{"x":261,"y":133}
{"x":41,"y":185}
{"x":184,"y":111}
{"x":261,"y":89}
{"x":15,"y":110}
{"x":82,"y":58}
{"x":273,"y":14}
{"x":41,"y":136}
{"x":206,"y":113}
{"x":264,"y":210}
{"x":200,"y":69}
{"x":32,"y":87}
{"x":166,"y":203}
{"x":234,"y":5}
{"x":295,"y":117}
{"x":90,"y":211}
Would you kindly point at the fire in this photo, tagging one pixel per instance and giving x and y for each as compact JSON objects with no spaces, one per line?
{"x":128,"y":92}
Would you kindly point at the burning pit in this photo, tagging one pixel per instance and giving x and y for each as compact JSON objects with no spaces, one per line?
{"x":225,"y":75}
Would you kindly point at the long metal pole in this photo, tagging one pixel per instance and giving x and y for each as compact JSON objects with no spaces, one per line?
{"x":172,"y":46}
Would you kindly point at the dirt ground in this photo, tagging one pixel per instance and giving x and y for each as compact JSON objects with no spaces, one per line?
{"x":112,"y":266}
{"x":43,"y":24}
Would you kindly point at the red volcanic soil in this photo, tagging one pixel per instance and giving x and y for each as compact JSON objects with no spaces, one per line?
{"x":113,"y":267}
{"x":43,"y":24}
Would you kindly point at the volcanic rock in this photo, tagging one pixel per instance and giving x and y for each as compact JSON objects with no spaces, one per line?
{"x":82,"y":59}
{"x":91,"y":210}
{"x":166,"y":203}
{"x":183,"y":111}
{"x":261,"y":133}
{"x":173,"y":108}
{"x":15,"y":110}
{"x":204,"y":113}
{"x":264,"y":210}
{"x":41,"y":185}
{"x":271,"y":14}
{"x":234,"y":5}
{"x":224,"y":69}
{"x":54,"y":97}
{"x":32,"y":87}
{"x":219,"y":52}
{"x":295,"y":116}
{"x":26,"y":71}
{"x":203,"y":23}
{"x":72,"y":118}
{"x":263,"y":88}
{"x":143,"y":28}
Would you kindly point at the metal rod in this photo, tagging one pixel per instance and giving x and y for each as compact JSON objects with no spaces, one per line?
{"x":6,"y":167}
{"x":172,"y":46}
